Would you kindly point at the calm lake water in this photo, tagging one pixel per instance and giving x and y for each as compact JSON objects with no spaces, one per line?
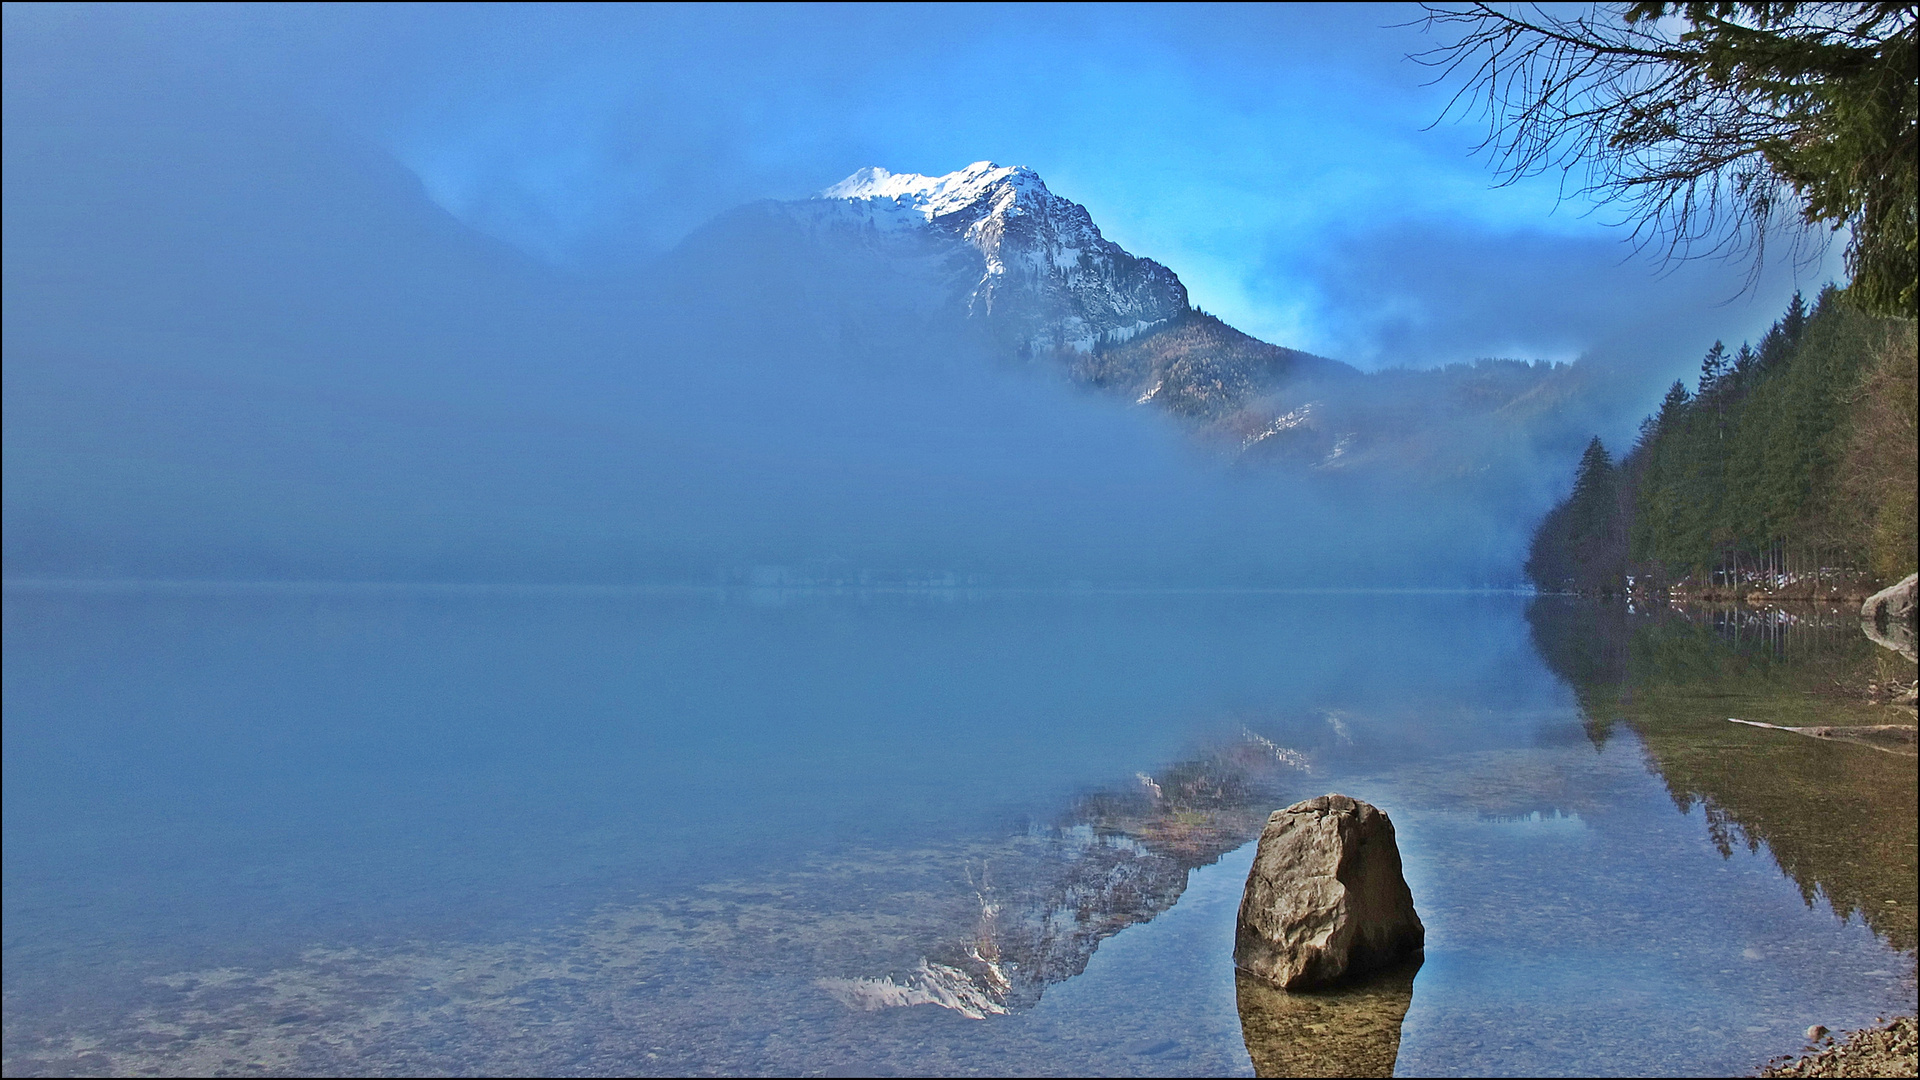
{"x":388,"y":830}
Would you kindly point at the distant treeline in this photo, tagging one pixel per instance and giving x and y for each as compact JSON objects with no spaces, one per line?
{"x":1790,"y":467}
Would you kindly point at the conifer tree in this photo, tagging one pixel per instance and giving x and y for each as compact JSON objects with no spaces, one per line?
{"x":1795,"y":320}
{"x":1593,"y":492}
{"x":1798,"y":454}
{"x":1713,"y":368}
{"x":1673,"y":409}
{"x":1743,"y":364}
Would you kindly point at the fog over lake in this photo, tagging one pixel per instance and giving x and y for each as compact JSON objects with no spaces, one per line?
{"x":524,"y":554}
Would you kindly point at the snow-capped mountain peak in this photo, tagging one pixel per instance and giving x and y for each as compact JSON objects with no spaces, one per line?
{"x":1045,"y":275}
{"x":933,"y":196}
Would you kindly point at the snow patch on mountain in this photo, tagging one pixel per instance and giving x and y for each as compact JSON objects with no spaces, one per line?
{"x":934,"y":196}
{"x":1039,"y":270}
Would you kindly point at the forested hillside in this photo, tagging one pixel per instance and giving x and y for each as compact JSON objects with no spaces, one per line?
{"x":1789,"y":468}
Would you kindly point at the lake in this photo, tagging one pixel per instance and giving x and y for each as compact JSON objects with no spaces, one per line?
{"x":387,"y":829}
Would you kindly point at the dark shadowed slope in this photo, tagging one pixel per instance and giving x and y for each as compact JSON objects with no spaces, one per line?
{"x":1201,"y":368}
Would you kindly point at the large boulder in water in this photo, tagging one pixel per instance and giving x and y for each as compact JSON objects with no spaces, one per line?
{"x":1326,"y":898}
{"x":1888,"y":616}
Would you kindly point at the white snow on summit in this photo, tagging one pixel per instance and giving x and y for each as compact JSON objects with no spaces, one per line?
{"x":933,"y":196}
{"x":1044,"y":274}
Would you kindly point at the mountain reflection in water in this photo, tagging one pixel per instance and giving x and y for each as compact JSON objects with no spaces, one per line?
{"x":1119,"y":857}
{"x":324,"y":832}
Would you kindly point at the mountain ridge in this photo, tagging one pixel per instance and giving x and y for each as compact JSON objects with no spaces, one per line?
{"x":1028,"y":274}
{"x":1052,"y":287}
{"x":1046,"y":280}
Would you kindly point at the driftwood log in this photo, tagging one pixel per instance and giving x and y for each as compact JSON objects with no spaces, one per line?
{"x":1891,"y":738}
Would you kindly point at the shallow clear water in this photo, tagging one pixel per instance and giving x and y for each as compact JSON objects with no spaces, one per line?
{"x":382,"y":830}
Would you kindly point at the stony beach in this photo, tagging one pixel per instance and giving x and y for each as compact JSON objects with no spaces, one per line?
{"x":1887,"y":1050}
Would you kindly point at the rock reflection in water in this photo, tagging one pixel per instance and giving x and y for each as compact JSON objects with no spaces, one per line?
{"x":1118,"y":858}
{"x":1347,"y":1030}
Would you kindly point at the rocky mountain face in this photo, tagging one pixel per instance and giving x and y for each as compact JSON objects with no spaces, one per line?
{"x":1030,"y":271}
{"x":1043,"y":277}
{"x":1200,"y":368}
{"x":1034,"y":271}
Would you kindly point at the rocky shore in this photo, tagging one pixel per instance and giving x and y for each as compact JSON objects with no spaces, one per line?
{"x":1887,"y":1050}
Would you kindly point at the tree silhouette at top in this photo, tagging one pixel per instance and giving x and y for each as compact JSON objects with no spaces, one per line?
{"x":1712,"y":124}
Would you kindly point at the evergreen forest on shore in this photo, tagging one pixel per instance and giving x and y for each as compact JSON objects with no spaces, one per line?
{"x":1788,"y":471}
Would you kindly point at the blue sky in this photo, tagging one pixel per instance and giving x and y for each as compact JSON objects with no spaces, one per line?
{"x":1284,"y":160}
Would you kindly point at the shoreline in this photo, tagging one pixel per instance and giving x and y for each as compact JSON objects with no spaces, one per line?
{"x":1891,"y":1048}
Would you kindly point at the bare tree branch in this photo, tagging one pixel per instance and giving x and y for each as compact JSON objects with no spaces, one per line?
{"x":1713,"y":126}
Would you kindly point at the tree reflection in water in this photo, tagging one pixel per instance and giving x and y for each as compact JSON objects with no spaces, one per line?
{"x":1839,"y":819}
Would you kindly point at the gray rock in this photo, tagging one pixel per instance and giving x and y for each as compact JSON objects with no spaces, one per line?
{"x":1326,"y":897}
{"x":1888,"y":616}
{"x":1895,"y":602}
